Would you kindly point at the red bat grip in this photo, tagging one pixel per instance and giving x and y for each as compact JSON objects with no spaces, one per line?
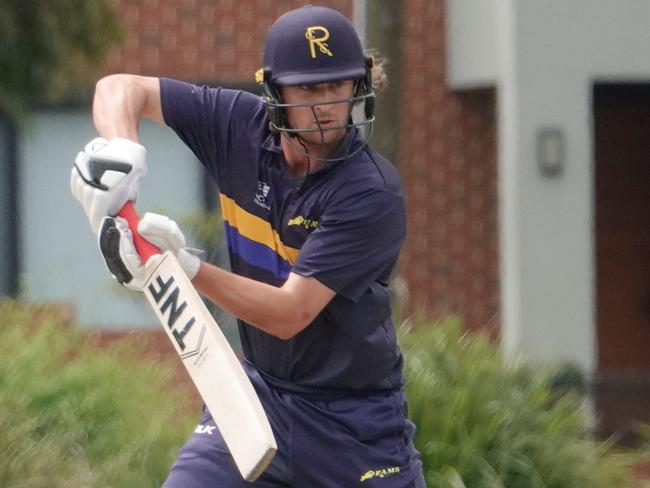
{"x":145,"y":248}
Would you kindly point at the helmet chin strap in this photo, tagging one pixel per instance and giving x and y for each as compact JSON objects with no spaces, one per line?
{"x":305,"y":152}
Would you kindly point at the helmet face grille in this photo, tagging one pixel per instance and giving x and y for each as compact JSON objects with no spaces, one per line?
{"x":361,"y":98}
{"x":360,"y":115}
{"x":313,"y":45}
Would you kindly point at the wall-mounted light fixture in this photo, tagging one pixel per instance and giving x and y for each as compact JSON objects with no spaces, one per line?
{"x":551,"y":151}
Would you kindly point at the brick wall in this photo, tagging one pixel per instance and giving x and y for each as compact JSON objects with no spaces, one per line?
{"x":448,"y":163}
{"x":198,"y":40}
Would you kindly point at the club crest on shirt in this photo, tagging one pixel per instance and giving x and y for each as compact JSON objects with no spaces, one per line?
{"x":261,"y":194}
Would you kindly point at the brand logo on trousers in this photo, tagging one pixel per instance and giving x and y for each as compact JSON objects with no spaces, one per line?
{"x":205,"y":429}
{"x":379,"y":473}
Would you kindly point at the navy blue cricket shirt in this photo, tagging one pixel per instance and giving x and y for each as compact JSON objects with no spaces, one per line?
{"x":343,"y":225}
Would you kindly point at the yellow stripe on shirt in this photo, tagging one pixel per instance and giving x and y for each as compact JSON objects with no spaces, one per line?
{"x":255,"y":228}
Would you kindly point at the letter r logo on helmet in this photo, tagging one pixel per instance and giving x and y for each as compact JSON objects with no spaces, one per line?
{"x":312,"y":45}
{"x":318,"y":41}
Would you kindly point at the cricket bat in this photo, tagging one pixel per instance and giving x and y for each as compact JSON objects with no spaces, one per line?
{"x":207,"y":356}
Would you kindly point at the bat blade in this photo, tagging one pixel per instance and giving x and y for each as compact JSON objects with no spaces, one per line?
{"x":210,"y":361}
{"x":212,"y":365}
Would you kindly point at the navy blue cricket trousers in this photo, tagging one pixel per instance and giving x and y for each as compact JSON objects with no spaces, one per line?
{"x":364,"y":442}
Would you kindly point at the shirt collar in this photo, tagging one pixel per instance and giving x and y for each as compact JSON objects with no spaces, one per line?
{"x":271,"y":143}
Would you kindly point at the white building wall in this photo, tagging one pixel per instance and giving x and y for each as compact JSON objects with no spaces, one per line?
{"x":548,"y":55}
{"x":472,"y":43}
{"x":60,"y":258}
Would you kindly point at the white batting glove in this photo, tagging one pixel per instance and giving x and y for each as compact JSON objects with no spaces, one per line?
{"x":106,"y":175}
{"x":167,"y":236}
{"x":117,"y":248}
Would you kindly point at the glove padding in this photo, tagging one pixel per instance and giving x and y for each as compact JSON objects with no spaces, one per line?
{"x":122,"y":260}
{"x":106,"y":175}
{"x":117,"y":248}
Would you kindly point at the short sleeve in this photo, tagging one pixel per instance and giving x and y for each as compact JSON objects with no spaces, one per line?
{"x":210,"y":121}
{"x":356,"y":243}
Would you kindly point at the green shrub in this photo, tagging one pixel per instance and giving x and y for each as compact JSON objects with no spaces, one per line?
{"x":485,"y":421}
{"x":76,"y":415}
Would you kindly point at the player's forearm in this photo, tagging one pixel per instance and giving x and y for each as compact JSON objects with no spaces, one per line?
{"x":121,"y":100}
{"x":117,"y":107}
{"x":267,"y":307}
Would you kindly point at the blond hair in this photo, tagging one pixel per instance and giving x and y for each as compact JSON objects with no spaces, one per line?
{"x":379,"y":76}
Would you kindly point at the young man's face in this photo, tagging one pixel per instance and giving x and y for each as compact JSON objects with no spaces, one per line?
{"x":328,"y":115}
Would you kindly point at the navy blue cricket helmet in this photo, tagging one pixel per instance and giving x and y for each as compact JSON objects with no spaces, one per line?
{"x":312,"y":45}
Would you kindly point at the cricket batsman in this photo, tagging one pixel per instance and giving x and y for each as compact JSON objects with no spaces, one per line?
{"x":314,"y":222}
